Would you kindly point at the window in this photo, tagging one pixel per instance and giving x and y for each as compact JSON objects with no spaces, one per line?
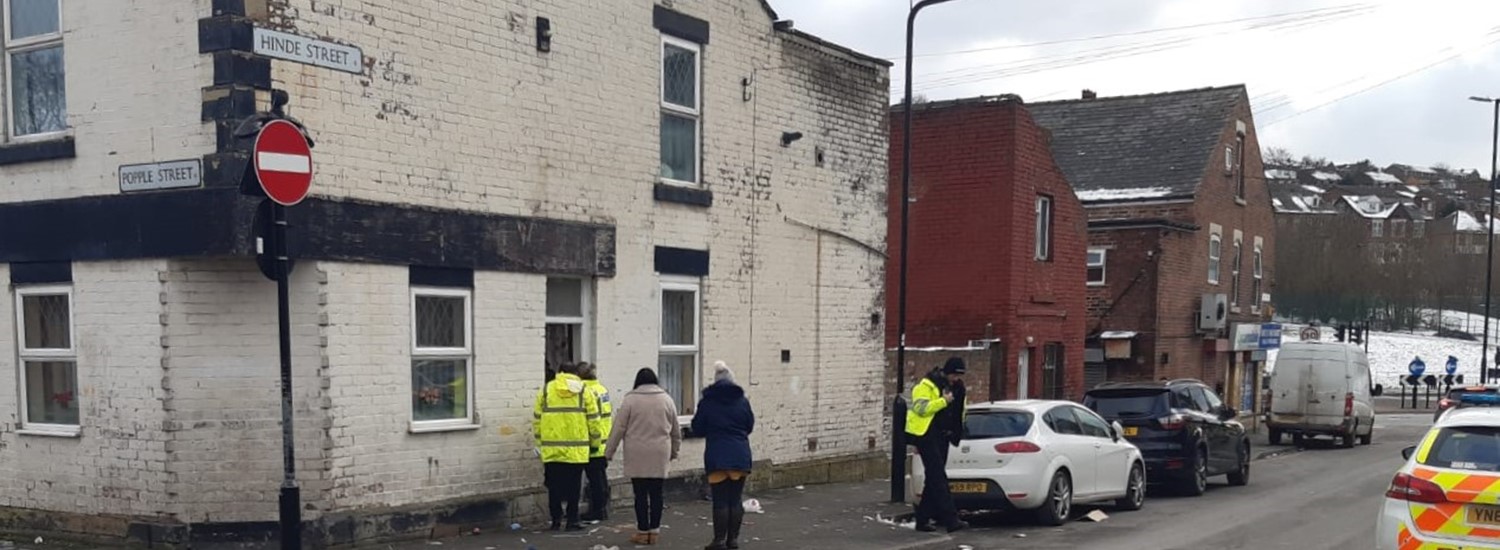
{"x":1092,"y":425}
{"x":1228,"y":159}
{"x":442,"y":358}
{"x":1472,"y":448}
{"x":1215,"y":242}
{"x":1052,"y":371}
{"x":33,"y":71}
{"x":1258,"y":274}
{"x":1377,"y":228}
{"x":1419,"y":228}
{"x":680,"y":113}
{"x":677,"y":357}
{"x":1239,"y":160}
{"x":1043,"y":228}
{"x":1062,"y":421}
{"x":569,"y":326}
{"x":48,"y":360}
{"x":1398,"y":229}
{"x":1211,"y":400}
{"x":1096,"y":258}
{"x":996,"y":424}
{"x":1234,"y":275}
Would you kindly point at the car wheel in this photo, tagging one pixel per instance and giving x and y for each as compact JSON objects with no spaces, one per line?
{"x":1275,"y":437}
{"x":1135,"y":490}
{"x":1197,"y":484}
{"x":1298,"y":440}
{"x":1059,"y":505}
{"x":1240,"y":477}
{"x":1365,"y":439}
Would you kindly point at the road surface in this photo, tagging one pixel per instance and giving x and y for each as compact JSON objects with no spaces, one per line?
{"x":1324,"y":497}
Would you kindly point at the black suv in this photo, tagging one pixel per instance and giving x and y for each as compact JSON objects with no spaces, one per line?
{"x":1183,"y":430}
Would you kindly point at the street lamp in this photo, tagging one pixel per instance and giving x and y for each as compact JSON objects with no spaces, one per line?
{"x":898,"y":405}
{"x":1489,"y":260}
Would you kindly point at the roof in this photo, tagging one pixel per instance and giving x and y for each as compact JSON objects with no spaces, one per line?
{"x":1327,"y":176}
{"x":1281,"y":174}
{"x":1116,"y":147}
{"x":1117,"y":335}
{"x":1032,"y":405}
{"x":1464,"y":222}
{"x":1477,"y":416}
{"x":1370,"y":206}
{"x":1382,"y":177}
{"x":1298,"y":201}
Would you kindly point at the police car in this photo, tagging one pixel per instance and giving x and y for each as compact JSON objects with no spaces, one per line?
{"x":1447,"y":495}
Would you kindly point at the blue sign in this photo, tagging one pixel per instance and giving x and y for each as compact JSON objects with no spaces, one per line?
{"x":1452,"y":365}
{"x":1270,"y":336}
{"x":1416,"y":367}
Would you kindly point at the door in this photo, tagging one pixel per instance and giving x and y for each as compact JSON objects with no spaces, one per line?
{"x":1111,"y":458}
{"x":1223,"y":454}
{"x":1329,"y":378}
{"x":1070,"y":442}
{"x":1023,"y":375}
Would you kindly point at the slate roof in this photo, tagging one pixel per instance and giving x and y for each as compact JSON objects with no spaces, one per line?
{"x":1150,"y":141}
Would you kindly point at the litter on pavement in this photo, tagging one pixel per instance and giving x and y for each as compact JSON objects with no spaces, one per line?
{"x":1096,"y":516}
{"x":892,"y":522}
{"x":753,"y":506}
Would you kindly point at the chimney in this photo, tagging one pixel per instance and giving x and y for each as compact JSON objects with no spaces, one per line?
{"x":1089,"y":94}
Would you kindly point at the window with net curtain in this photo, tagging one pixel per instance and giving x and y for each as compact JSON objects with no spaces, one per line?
{"x":35,"y":88}
{"x":678,"y":355}
{"x":680,"y":110}
{"x":49,"y":364}
{"x":442,"y":354}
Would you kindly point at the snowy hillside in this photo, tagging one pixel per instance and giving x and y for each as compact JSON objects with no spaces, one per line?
{"x":1391,"y":352}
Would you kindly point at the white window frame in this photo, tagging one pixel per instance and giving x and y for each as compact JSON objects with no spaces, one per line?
{"x":586,"y":305}
{"x":465,"y":353}
{"x":695,"y":112}
{"x":1228,"y":159}
{"x":1377,"y":228}
{"x":1235,"y":267}
{"x":1258,"y":273}
{"x":8,"y":47}
{"x":683,"y":283}
{"x":1042,"y":227}
{"x":1215,"y":254}
{"x":1102,"y":264}
{"x":45,"y":354}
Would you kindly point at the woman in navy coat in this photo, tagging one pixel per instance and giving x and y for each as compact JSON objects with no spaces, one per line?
{"x":725,"y":420}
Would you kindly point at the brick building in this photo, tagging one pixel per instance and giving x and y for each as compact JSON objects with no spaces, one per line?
{"x":499,"y":186}
{"x":1180,"y":223}
{"x":996,"y":250}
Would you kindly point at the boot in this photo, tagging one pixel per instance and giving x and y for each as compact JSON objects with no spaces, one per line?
{"x":721,"y":529}
{"x":641,"y":538}
{"x":732,"y":535}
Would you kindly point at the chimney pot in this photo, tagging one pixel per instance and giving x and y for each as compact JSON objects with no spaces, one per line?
{"x":1089,"y":94}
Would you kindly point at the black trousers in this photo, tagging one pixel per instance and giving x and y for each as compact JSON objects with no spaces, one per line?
{"x":563,"y":481}
{"x":937,"y":502}
{"x":597,"y":473}
{"x":648,"y":502}
{"x":728,"y":494}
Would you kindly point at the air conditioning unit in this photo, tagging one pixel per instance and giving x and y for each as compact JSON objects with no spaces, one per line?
{"x":1213,"y":312}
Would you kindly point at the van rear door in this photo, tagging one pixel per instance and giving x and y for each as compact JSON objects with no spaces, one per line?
{"x":1331,"y":375}
{"x":1289,"y":384}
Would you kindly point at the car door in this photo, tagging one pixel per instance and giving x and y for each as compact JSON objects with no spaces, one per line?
{"x":1068,"y":440}
{"x":1111,"y":457}
{"x":1222,"y":453}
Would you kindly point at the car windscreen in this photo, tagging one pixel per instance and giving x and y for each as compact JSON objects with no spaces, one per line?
{"x":1144,"y":403}
{"x":1474,"y":448}
{"x":996,"y":424}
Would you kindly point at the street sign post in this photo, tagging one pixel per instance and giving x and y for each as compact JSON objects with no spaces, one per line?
{"x":282,"y":162}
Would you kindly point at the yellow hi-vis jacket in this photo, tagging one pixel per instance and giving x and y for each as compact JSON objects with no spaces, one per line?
{"x":606,"y":413}
{"x":926,"y":401}
{"x":567,"y":416}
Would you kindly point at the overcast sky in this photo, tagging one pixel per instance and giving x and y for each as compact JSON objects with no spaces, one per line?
{"x":1312,"y":66}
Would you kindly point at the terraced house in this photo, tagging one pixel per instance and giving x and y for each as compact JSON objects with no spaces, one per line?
{"x":497,"y":187}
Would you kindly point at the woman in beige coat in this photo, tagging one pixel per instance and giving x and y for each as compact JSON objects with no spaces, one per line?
{"x":646,"y":424}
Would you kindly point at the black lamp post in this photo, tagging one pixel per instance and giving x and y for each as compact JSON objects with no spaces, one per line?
{"x":898,"y":406}
{"x":1489,"y":258}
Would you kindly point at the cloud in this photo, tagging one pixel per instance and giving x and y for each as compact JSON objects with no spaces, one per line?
{"x":1312,"y":76}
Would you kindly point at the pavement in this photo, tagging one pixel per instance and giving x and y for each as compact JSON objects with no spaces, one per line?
{"x":1316,"y":497}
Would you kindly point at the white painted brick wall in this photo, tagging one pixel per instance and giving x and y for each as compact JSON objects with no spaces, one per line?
{"x":134,"y":95}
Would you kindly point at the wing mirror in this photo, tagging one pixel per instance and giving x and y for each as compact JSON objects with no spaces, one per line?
{"x":1228,"y":413}
{"x":1377,"y":390}
{"x":1116,"y":430}
{"x":1407,"y":452}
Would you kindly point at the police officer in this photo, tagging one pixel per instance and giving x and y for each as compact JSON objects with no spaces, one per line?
{"x":566,"y":430}
{"x":928,"y":398}
{"x":597,"y":471}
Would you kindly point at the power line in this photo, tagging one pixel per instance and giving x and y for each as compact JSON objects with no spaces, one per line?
{"x":1132,"y":33}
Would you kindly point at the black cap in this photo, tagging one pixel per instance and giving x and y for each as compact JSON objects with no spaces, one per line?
{"x":954,"y":365}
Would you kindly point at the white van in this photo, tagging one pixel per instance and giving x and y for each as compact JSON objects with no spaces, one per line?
{"x":1322,"y":388}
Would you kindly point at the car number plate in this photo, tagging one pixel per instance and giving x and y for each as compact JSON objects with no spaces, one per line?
{"x":968,"y":487}
{"x":1479,"y":514}
{"x":1130,"y":431}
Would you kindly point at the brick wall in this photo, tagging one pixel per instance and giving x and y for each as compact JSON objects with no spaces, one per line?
{"x":134,"y":88}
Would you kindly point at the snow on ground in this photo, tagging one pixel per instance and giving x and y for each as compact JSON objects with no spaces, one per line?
{"x":1092,"y":195}
{"x":1391,"y":352}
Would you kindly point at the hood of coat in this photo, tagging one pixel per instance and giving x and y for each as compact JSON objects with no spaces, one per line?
{"x":649,"y":389}
{"x":724,"y":390}
{"x":566,"y":385}
{"x":938,"y":378}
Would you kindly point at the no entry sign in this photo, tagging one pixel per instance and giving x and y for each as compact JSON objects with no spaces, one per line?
{"x":283,"y":162}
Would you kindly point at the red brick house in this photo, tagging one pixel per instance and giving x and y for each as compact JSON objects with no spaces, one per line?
{"x":997,"y":251}
{"x":1180,"y":234}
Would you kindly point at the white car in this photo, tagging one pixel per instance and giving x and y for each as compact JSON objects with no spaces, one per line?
{"x":1041,"y":457}
{"x":1447,"y":495}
